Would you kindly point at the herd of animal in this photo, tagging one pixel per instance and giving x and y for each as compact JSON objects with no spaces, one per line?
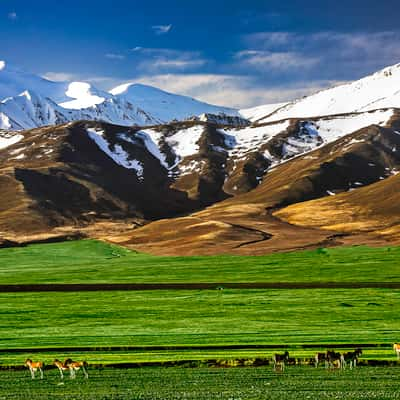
{"x":330,"y":359}
{"x":67,"y":365}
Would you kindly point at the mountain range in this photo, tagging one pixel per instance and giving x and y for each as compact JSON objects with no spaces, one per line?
{"x":28,"y":101}
{"x":167,"y":174}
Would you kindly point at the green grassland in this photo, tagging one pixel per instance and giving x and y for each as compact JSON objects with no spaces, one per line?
{"x":90,"y":261}
{"x":199,"y":318}
{"x":206,"y":383}
{"x":194,"y":324}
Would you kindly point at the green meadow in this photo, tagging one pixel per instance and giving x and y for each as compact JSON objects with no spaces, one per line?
{"x":177,"y":325}
{"x":90,"y":261}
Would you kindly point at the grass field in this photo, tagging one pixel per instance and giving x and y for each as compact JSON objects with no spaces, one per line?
{"x":207,"y":383}
{"x":93,"y":261}
{"x":198,"y":318}
{"x":124,"y":326}
{"x":225,"y":317}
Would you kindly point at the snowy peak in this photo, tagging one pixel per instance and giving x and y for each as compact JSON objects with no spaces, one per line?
{"x":166,"y":106}
{"x":14,"y":81}
{"x":131,"y":88}
{"x":377,"y":91}
{"x":137,"y":104}
{"x":30,"y":110}
{"x":128,"y":104}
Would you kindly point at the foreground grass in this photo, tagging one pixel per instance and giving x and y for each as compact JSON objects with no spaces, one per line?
{"x":207,"y":317}
{"x":205,"y":383}
{"x":90,"y":261}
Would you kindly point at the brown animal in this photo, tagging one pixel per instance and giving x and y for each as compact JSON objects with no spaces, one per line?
{"x":76,"y":366}
{"x":34,"y":366}
{"x":319,"y":357}
{"x":280,"y":359}
{"x":334,"y":358}
{"x":351,"y":357}
{"x":61,"y":367}
{"x":396,"y":348}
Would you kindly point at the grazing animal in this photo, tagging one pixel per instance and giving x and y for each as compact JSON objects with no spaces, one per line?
{"x":319,"y":357}
{"x":76,"y":366}
{"x":279,"y":359}
{"x":62,"y":367}
{"x":396,"y":348}
{"x":351,"y":357}
{"x":333,"y":358}
{"x":34,"y":366}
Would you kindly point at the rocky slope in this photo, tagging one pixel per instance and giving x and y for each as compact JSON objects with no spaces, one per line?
{"x":250,"y":223}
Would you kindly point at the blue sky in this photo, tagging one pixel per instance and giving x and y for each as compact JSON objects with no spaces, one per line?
{"x":236,"y":53}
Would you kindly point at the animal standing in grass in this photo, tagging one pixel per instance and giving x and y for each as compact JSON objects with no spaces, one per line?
{"x":350,"y":357}
{"x":34,"y":366}
{"x":334,"y":358}
{"x":396,"y":348}
{"x":62,"y":367}
{"x":279,"y":360}
{"x":319,"y":357}
{"x":76,"y":366}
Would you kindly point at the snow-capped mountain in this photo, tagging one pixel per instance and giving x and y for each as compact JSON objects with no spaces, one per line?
{"x":166,"y":106}
{"x":110,"y":157}
{"x":28,"y":101}
{"x":377,"y":91}
{"x":14,"y":81}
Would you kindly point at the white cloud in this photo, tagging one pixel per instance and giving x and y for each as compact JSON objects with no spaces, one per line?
{"x":178,"y":64}
{"x":159,"y":60}
{"x":114,"y":56}
{"x":231,"y":90}
{"x":161,"y":29}
{"x":103,"y":82}
{"x":12,"y":15}
{"x":345,"y":53}
{"x":266,"y":60}
{"x":59,"y":76}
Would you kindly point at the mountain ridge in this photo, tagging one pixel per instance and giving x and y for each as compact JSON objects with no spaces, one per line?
{"x":204,"y":185}
{"x":138,"y":104}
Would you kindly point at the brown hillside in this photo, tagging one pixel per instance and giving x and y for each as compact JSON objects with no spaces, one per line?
{"x":247,"y":224}
{"x":374,"y":208}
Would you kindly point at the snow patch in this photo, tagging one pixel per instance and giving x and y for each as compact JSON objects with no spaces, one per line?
{"x":117,"y":154}
{"x":9,"y":139}
{"x":20,"y":157}
{"x":331,"y":129}
{"x":251,"y":138}
{"x":150,"y":145}
{"x":184,"y":142}
{"x":83,"y":94}
{"x":256,"y":113}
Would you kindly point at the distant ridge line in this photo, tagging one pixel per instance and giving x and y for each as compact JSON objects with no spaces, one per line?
{"x":93,"y":287}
